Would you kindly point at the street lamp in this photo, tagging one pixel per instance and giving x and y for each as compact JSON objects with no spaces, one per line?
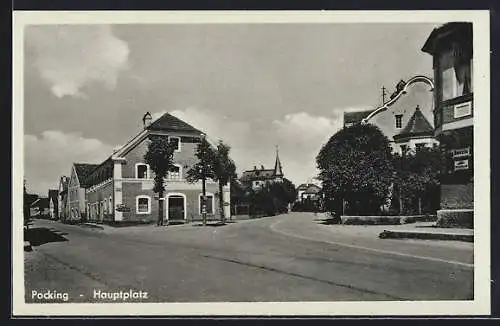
{"x":203,"y":181}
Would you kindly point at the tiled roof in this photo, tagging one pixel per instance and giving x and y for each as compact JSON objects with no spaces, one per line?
{"x":257,"y":174}
{"x":101,"y":173}
{"x":355,"y":116}
{"x":168,"y":122}
{"x":416,"y":126}
{"x":309,"y":188}
{"x":42,"y":202}
{"x":83,"y":170}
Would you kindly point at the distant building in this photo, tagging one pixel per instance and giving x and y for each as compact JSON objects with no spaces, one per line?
{"x":62,"y":198}
{"x":40,"y":208}
{"x":308,"y":191}
{"x":452,"y":50}
{"x":76,"y":191}
{"x":53,"y":204}
{"x":258,"y":177}
{"x":404,"y":118}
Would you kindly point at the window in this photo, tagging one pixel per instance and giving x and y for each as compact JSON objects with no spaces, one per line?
{"x":175,"y":142}
{"x":175,"y":173}
{"x":399,"y":121}
{"x":105,"y":207}
{"x":209,"y":203}
{"x":143,"y":205}
{"x":110,"y":205}
{"x":456,"y":75}
{"x":141,"y":171}
{"x":404,"y":148}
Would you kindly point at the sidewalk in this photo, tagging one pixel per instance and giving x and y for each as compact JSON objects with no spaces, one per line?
{"x":426,"y":231}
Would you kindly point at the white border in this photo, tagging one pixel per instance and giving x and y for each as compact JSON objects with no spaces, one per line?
{"x":481,"y":303}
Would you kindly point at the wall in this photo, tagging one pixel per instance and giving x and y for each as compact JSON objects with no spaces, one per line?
{"x":456,"y":196}
{"x":100,"y":194}
{"x":75,"y":194}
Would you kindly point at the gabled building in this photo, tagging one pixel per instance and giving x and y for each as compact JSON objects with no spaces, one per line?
{"x":258,"y":177}
{"x":451,"y":47}
{"x":417,"y":133}
{"x":77,"y":183}
{"x":409,"y":106}
{"x":308,"y":191}
{"x":53,"y":204}
{"x":62,"y":198}
{"x":120,"y":189}
{"x":40,"y":208}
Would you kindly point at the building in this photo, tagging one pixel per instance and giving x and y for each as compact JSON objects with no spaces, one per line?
{"x":308,"y":191}
{"x":258,"y":177}
{"x":62,"y":198}
{"x":120,"y":189}
{"x":417,"y":133}
{"x":53,"y":204}
{"x":410,"y":106}
{"x":40,"y":208}
{"x":77,"y":184}
{"x":451,"y":48}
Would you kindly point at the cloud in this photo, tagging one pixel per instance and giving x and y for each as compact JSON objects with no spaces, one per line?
{"x":51,"y":155}
{"x":300,"y":136}
{"x":70,"y":57}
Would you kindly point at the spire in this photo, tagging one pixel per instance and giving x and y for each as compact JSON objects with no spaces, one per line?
{"x":277,"y":165}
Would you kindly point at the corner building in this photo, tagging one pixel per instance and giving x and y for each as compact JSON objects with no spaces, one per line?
{"x":120,"y":188}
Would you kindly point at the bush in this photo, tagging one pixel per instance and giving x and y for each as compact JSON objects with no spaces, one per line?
{"x":455,"y":218}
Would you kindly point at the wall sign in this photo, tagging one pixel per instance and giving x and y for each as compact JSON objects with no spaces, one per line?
{"x":122,"y":208}
{"x":461,"y":152}
{"x":462,"y":110}
{"x":461,"y":165}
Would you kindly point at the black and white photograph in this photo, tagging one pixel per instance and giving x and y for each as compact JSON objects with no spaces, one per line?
{"x":251,"y":163}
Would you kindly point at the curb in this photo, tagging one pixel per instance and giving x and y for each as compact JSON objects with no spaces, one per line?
{"x":425,"y":236}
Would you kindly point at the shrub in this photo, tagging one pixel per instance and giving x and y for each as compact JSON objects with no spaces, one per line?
{"x":455,"y":218}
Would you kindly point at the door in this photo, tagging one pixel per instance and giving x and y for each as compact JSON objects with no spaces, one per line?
{"x":176,"y":208}
{"x":101,"y":212}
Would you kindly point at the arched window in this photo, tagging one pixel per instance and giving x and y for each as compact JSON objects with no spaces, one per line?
{"x":141,"y":171}
{"x":143,"y":204}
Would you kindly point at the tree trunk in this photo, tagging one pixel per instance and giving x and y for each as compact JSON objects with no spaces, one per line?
{"x":203,"y":201}
{"x":221,"y":203}
{"x":419,"y":205}
{"x":160,"y":208}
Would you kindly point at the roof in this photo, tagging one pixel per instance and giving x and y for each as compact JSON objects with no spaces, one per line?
{"x":418,"y":125}
{"x":53,"y":193}
{"x":100,"y":173}
{"x":168,"y":122}
{"x":64,"y":181}
{"x":42,"y":202}
{"x":355,"y":116}
{"x":309,"y":188}
{"x":461,"y":29}
{"x":278,"y":169}
{"x":257,"y":174}
{"x":30,"y":198}
{"x":83,"y":170}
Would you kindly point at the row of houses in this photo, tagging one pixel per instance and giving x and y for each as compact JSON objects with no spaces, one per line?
{"x":119,"y":189}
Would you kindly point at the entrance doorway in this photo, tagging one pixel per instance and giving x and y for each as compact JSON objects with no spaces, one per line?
{"x":176,"y":207}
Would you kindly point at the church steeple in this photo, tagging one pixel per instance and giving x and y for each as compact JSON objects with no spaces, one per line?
{"x":277,"y":165}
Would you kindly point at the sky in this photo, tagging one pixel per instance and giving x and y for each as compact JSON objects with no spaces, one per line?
{"x":254,"y":86}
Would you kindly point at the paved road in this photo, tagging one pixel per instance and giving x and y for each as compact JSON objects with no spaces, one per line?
{"x":285,"y":258}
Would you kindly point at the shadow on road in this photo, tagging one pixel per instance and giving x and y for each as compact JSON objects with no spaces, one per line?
{"x":211,"y":224}
{"x":40,"y":236}
{"x":329,"y":221}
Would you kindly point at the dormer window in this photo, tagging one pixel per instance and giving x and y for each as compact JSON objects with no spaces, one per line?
{"x":175,"y":142}
{"x":141,"y":171}
{"x":399,"y":121}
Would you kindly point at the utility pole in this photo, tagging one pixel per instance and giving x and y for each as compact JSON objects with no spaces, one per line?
{"x":383,"y":94}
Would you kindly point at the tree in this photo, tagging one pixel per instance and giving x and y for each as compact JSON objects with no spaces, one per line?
{"x":224,"y":170}
{"x":417,"y":179}
{"x":202,"y":170}
{"x":159,"y":156}
{"x":356,"y":168}
{"x":273,"y":198}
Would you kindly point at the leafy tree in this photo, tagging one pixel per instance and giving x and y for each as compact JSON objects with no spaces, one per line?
{"x":204,"y":168}
{"x":159,"y":156}
{"x":273,"y":198}
{"x":224,"y":170}
{"x":417,"y":179}
{"x":356,"y":167}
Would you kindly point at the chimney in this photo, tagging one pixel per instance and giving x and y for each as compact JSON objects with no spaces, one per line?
{"x":262,"y":167}
{"x":255,"y":167}
{"x":146,"y":120}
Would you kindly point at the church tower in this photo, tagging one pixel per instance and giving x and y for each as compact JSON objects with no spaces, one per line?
{"x":278,"y":171}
